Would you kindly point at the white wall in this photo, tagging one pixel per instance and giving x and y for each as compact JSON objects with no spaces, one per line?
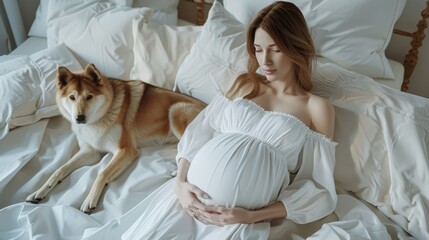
{"x":5,"y":41}
{"x":399,"y":46}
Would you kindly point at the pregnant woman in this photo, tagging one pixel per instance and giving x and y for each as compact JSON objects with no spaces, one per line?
{"x":237,"y":158}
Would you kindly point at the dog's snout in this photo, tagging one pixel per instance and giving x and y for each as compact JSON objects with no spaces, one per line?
{"x":80,"y":118}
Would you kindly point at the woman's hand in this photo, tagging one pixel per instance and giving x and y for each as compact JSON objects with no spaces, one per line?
{"x":221,"y":216}
{"x":186,"y":194}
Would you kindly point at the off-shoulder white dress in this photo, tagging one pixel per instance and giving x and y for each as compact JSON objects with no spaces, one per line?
{"x":242,"y":155}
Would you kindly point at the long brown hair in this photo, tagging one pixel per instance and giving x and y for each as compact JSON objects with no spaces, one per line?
{"x":286,"y":25}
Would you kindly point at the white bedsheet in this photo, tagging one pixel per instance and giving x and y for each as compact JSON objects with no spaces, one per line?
{"x":29,"y":154}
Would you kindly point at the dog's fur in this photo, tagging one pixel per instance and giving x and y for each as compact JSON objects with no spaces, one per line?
{"x":116,"y":116}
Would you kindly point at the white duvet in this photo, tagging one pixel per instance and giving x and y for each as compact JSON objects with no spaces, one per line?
{"x":382,"y":156}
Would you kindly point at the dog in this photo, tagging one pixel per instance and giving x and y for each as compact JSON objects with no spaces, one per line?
{"x":116,"y":116}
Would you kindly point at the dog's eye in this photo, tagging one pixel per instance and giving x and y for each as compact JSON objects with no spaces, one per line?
{"x":72,"y":98}
{"x":89,"y":97}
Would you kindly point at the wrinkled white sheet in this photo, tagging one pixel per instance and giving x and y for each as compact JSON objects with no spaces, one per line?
{"x":356,"y":221}
{"x":29,"y":154}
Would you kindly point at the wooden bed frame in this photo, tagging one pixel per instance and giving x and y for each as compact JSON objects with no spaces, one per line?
{"x":410,"y":59}
{"x":417,"y":38}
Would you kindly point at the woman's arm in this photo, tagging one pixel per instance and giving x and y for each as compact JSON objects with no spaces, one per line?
{"x":273,"y":211}
{"x":186,"y":193}
{"x":322,"y":116}
{"x":197,"y":133}
{"x":311,"y":195}
{"x":182,"y":170}
{"x":221,"y":216}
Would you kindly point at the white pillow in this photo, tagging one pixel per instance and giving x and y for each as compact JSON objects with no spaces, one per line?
{"x":168,"y":8}
{"x":159,"y":51}
{"x":383,"y":144}
{"x":27,"y":86}
{"x":39,"y":26}
{"x":97,"y":32}
{"x":353,"y":35}
{"x":217,"y":55}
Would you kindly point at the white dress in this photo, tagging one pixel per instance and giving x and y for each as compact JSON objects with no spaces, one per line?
{"x":242,"y":155}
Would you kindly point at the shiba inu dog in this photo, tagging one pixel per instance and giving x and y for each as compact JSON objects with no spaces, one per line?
{"x":116,"y":116}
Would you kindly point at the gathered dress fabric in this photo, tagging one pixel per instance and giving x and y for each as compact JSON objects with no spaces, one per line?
{"x":242,"y":155}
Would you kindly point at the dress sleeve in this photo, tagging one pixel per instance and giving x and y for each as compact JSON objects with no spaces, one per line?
{"x":311,"y":195}
{"x":201,"y":129}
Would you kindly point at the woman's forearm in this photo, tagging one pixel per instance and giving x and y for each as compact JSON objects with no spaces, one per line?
{"x":182,"y":169}
{"x":273,"y":211}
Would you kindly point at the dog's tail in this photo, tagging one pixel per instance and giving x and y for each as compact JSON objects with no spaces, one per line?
{"x":181,"y":114}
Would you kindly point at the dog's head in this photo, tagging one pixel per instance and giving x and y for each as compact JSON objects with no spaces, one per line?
{"x":85,"y":97}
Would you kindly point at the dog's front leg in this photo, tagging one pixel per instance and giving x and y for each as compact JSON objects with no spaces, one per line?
{"x":121,"y":160}
{"x":85,"y":156}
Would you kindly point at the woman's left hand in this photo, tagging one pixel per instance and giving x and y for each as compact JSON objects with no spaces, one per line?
{"x":221,"y":216}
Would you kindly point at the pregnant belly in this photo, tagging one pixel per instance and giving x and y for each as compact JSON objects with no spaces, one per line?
{"x":237,"y":170}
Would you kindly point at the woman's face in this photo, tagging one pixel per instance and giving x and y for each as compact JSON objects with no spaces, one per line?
{"x":274,"y":63}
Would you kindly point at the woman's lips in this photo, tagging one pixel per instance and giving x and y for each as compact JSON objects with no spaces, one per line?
{"x":269,"y":71}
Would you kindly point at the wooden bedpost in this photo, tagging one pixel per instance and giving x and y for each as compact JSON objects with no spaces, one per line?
{"x":200,"y":12}
{"x":418,"y":36}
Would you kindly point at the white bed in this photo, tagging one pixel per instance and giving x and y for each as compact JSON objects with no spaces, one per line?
{"x":383,"y":134}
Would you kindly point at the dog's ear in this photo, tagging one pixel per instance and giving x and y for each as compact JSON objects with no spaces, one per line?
{"x":92,"y":72}
{"x":63,"y":77}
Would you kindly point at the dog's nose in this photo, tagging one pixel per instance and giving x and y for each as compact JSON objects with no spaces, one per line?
{"x":80,"y":119}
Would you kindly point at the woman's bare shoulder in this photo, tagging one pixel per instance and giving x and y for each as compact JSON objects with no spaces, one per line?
{"x":322,"y":114}
{"x":315,"y":101}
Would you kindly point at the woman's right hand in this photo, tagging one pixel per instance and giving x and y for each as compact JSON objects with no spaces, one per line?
{"x":187,"y":195}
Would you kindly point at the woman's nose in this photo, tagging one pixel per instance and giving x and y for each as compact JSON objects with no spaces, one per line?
{"x":266,"y":58}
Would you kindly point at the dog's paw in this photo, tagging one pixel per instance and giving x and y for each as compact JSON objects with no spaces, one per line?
{"x":35,"y":198}
{"x":88,"y":206}
{"x":88,"y":211}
